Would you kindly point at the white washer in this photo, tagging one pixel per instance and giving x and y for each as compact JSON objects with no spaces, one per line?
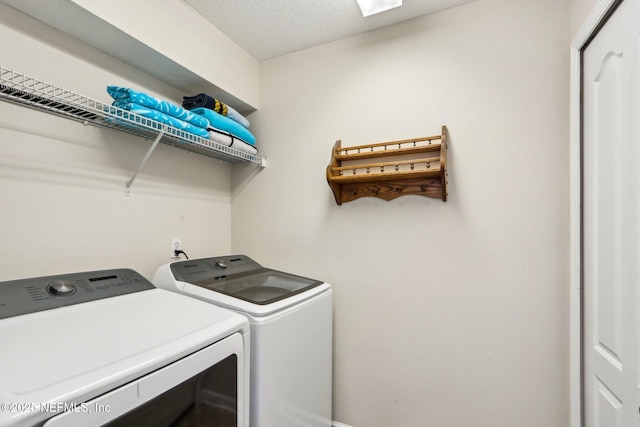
{"x":291,"y":333}
{"x":108,"y":348}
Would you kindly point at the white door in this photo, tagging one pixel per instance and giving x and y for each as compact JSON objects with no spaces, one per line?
{"x":611,"y":222}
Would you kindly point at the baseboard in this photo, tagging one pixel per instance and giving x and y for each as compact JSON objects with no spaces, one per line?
{"x":337,"y":424}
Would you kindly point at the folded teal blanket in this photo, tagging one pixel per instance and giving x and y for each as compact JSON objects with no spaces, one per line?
{"x":221,"y":122}
{"x":126,"y":95}
{"x":156,"y":115}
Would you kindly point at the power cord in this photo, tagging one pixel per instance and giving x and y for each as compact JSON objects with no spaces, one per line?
{"x":178,"y":252}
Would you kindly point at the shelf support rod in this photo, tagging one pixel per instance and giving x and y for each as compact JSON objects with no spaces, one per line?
{"x":127,"y":189}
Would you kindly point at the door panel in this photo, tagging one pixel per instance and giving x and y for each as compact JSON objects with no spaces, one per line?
{"x":608,"y":154}
{"x":608,"y":407}
{"x":610,"y":222}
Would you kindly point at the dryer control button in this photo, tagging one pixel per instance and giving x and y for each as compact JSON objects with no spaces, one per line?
{"x":222,"y":263}
{"x":61,"y":288}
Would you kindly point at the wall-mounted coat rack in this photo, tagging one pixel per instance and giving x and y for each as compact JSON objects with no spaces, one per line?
{"x":410,"y":166}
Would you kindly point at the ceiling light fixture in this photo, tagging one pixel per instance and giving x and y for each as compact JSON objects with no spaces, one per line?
{"x":371,"y":7}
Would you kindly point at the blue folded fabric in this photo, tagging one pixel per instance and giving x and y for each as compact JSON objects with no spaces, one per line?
{"x":156,"y":115}
{"x":126,"y":95}
{"x":221,"y":122}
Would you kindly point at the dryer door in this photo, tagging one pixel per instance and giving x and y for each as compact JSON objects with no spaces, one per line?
{"x":204,"y":388}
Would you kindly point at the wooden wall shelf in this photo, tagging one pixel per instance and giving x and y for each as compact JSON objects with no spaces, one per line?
{"x":390,"y":169}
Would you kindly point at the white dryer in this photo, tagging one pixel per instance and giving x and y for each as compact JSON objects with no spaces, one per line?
{"x":291,"y":333}
{"x":109,"y":348}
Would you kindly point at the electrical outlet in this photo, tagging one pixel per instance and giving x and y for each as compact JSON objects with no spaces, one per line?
{"x":176,"y":245}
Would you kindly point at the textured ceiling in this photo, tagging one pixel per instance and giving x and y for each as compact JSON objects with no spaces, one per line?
{"x":270,"y":28}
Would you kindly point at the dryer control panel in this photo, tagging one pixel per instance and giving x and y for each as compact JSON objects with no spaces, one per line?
{"x":31,"y":295}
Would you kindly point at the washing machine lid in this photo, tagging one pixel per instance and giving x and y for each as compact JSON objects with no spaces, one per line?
{"x":263,"y":286}
{"x":238,"y":276}
{"x":76,"y":352}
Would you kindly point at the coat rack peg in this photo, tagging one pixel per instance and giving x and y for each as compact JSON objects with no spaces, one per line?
{"x":386,"y":182}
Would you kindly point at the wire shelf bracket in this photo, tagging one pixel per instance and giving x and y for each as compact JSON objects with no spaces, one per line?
{"x":127,"y":188}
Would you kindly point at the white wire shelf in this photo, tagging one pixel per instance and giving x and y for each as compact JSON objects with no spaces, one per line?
{"x":30,"y":92}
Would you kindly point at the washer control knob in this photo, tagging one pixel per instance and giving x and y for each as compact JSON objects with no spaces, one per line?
{"x":61,"y":288}
{"x":222,"y":263}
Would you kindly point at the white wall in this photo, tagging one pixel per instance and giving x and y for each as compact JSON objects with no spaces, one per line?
{"x":62,"y":184}
{"x":175,"y":29}
{"x":167,"y":39}
{"x":446,"y":314}
{"x":580,"y":10}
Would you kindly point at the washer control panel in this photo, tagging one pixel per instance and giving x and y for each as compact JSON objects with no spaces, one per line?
{"x":213,"y":268}
{"x":26,"y":296}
